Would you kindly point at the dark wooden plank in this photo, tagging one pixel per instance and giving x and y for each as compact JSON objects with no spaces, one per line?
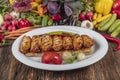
{"x":105,"y":69}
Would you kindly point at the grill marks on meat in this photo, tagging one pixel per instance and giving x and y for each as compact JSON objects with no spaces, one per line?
{"x":67,"y":43}
{"x":25,"y":44}
{"x":87,"y":41}
{"x":47,"y":42}
{"x":35,"y":44}
{"x":77,"y":42}
{"x":57,"y":43}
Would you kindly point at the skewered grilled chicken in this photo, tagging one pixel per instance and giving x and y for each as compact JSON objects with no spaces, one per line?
{"x":77,"y":42}
{"x":46,"y":44}
{"x":57,"y":43}
{"x":87,"y":41}
{"x":67,"y":43}
{"x":35,"y":44}
{"x":25,"y":44}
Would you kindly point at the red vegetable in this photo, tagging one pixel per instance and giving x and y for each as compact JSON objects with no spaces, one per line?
{"x":6,"y":23}
{"x":116,"y":8}
{"x":82,"y":16}
{"x":116,"y":12}
{"x":56,"y":17}
{"x":51,"y":58}
{"x":116,"y":5}
{"x":113,"y":40}
{"x":3,"y":27}
{"x":23,"y":23}
{"x":15,"y":22}
{"x":7,"y":17}
{"x":89,"y":15}
{"x":1,"y":38}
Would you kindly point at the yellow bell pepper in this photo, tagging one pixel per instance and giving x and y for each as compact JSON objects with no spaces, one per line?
{"x":99,"y":6}
{"x":107,"y":7}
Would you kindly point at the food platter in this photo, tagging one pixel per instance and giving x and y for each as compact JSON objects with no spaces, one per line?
{"x":101,"y":47}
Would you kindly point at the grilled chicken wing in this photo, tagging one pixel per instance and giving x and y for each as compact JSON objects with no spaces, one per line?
{"x":67,"y":43}
{"x":46,"y":44}
{"x":57,"y":43}
{"x":77,"y":42}
{"x":35,"y":44}
{"x":87,"y":41}
{"x":25,"y":44}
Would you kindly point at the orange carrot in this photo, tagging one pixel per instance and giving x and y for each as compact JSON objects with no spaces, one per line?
{"x":17,"y":33}
{"x":40,"y":10}
{"x":22,"y":30}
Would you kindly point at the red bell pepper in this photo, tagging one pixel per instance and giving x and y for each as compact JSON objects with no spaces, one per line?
{"x":116,"y":8}
{"x":23,"y":23}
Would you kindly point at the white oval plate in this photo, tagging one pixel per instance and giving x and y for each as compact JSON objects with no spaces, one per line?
{"x":101,"y":47}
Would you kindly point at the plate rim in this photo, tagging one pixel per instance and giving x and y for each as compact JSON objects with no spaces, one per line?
{"x":67,"y":66}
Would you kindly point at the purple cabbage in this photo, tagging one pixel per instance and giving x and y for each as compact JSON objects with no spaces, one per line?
{"x":53,"y":7}
{"x":68,"y":10}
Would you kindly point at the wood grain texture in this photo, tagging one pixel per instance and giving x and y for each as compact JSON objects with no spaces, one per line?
{"x":107,"y":68}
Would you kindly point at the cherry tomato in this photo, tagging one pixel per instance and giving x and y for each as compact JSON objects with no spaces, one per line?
{"x":51,"y":58}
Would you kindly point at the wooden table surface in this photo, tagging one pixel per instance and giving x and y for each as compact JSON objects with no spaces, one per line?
{"x":108,"y":68}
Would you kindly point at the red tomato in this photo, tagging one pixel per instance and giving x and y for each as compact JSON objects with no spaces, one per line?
{"x":51,"y":58}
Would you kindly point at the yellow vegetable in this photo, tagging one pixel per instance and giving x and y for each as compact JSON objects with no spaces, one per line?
{"x":94,"y":22}
{"x":95,"y":16}
{"x":96,"y":26}
{"x":103,"y":18}
{"x":39,"y":1}
{"x":107,"y":7}
{"x":34,"y":4}
{"x":40,"y":10}
{"x":99,"y":6}
{"x":11,"y":1}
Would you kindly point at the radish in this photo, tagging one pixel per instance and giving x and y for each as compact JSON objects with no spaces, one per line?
{"x":6,"y":23}
{"x":7,"y":17}
{"x":82,"y":16}
{"x":15,"y":22}
{"x":13,"y":28}
{"x":1,"y":38}
{"x":10,"y":28}
{"x":3,"y":27}
{"x":89,"y":15}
